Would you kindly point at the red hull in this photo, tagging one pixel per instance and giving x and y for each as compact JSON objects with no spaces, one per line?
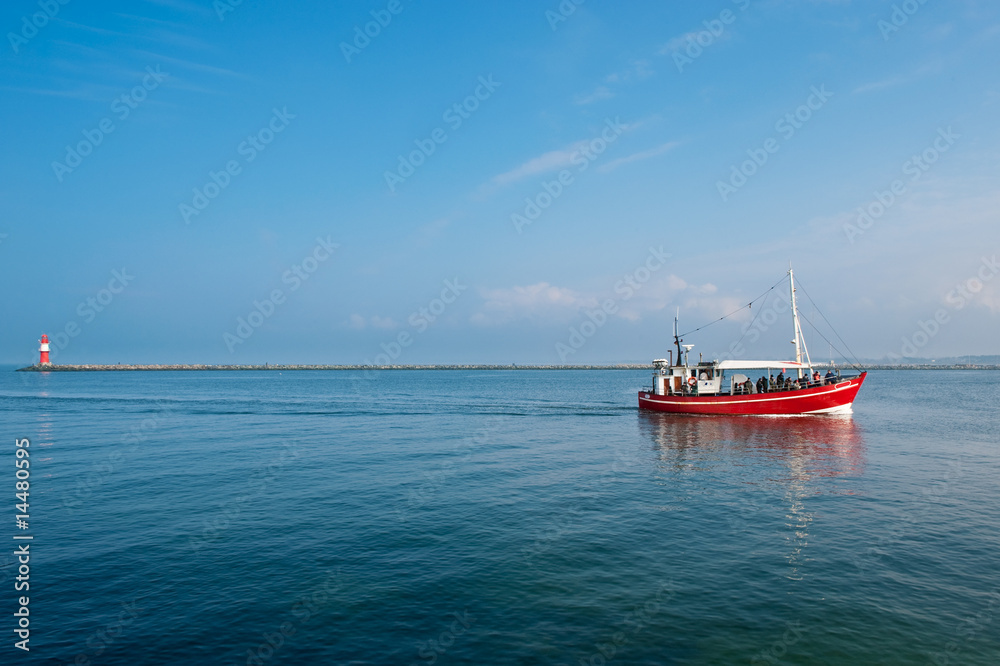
{"x":831,"y":399}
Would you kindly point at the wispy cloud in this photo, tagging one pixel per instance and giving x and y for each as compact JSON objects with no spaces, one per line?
{"x":543,"y":303}
{"x":504,"y":305}
{"x":879,"y":85}
{"x":94,"y":29}
{"x":170,"y":33}
{"x":426,"y":234}
{"x":544,"y":163}
{"x":148,"y":19}
{"x":599,"y":93}
{"x":637,"y":69}
{"x":701,"y":300}
{"x":681,"y":41}
{"x":88,"y":95}
{"x":926,"y":70}
{"x":360,"y":323}
{"x":182,"y":6}
{"x":196,"y":66}
{"x":677,"y":42}
{"x":636,"y":157}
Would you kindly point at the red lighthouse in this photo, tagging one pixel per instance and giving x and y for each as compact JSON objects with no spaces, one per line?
{"x":43,"y":351}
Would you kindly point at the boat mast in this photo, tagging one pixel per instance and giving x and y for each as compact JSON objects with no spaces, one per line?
{"x":799,"y":341}
{"x":677,"y":340}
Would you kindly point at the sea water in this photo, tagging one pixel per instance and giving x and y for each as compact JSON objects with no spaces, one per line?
{"x":497,"y":517}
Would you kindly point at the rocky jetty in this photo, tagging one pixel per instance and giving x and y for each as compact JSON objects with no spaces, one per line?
{"x":620,"y":366}
{"x":127,"y":367}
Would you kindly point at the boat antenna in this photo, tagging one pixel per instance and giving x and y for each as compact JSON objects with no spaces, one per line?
{"x":799,"y":341}
{"x":677,"y":339}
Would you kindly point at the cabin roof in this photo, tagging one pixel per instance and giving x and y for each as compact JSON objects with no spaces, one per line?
{"x":754,"y":365}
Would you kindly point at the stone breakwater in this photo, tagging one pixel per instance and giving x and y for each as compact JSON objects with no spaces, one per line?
{"x":98,"y":368}
{"x":619,"y":366}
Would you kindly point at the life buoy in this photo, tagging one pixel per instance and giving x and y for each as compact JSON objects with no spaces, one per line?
{"x":692,"y":381}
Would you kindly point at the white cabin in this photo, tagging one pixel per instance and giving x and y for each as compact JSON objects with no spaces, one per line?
{"x":709,"y":378}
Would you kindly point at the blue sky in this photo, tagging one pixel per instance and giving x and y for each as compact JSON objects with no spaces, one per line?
{"x":469,"y":181}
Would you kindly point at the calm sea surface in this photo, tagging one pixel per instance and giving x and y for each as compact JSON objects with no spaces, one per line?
{"x":498,"y":517}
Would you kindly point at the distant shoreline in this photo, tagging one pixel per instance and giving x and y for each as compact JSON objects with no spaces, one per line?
{"x":619,"y":366}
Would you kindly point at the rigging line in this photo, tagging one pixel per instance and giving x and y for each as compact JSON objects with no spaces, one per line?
{"x":733,"y":312}
{"x":759,"y":310}
{"x":856,"y":366}
{"x":858,"y":361}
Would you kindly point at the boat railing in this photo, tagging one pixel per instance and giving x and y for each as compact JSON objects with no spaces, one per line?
{"x":772,"y":385}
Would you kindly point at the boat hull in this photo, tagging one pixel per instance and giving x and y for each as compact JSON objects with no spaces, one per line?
{"x":831,"y":399}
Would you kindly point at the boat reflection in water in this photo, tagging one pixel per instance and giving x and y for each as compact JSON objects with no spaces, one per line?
{"x":759,"y":469}
{"x":826,"y":447}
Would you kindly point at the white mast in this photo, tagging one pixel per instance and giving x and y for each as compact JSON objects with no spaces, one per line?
{"x":799,"y":341}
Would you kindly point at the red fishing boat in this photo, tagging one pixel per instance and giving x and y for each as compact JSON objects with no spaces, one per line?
{"x":705,"y":387}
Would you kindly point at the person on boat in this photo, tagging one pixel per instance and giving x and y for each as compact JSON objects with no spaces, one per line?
{"x":761,"y":385}
{"x":829,"y":376}
{"x":817,"y":378}
{"x":748,"y":386}
{"x":781,"y":379}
